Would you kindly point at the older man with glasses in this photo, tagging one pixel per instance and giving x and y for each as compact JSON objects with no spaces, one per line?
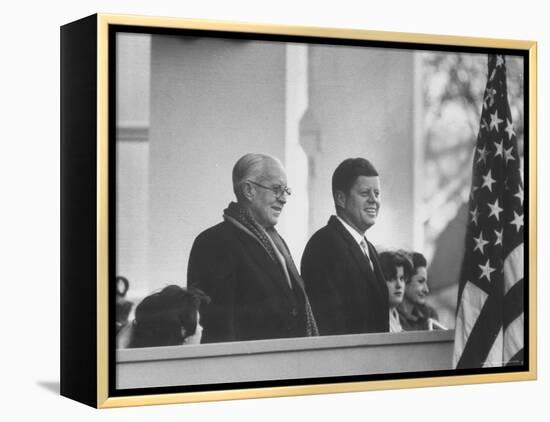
{"x":244,"y":265}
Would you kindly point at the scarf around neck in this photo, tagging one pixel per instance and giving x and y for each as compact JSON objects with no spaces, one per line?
{"x":244,"y":217}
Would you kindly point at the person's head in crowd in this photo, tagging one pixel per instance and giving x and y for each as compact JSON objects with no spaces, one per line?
{"x":356,"y":193}
{"x":122,"y":286}
{"x":123,"y":306}
{"x":169,"y":317}
{"x":416,"y":290}
{"x":396,"y":268}
{"x":260,"y":185}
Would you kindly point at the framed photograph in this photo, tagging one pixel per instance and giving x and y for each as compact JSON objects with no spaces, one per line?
{"x":258,"y":211}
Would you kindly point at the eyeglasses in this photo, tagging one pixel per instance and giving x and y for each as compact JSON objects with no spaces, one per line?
{"x":278,"y":190}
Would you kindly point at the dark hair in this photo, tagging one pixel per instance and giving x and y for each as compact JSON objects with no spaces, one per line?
{"x":126,"y":283}
{"x":418,"y":260}
{"x":390,"y":261}
{"x":160,"y":317}
{"x":348,"y":171}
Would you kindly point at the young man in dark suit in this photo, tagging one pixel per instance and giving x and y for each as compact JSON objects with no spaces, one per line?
{"x":244,"y":265}
{"x":340,"y":267}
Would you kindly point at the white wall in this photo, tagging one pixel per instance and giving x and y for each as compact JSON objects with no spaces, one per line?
{"x":361,"y":99}
{"x":212,"y":101}
{"x":132,"y":160}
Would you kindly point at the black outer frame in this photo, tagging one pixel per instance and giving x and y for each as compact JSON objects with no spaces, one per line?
{"x":78,"y":241}
{"x":79,"y":208}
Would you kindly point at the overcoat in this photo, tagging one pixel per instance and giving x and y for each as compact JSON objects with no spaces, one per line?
{"x":251,"y":298}
{"x":346,"y":295}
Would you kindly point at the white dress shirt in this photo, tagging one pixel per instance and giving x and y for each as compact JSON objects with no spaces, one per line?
{"x":358,"y":238}
{"x":395,"y":323}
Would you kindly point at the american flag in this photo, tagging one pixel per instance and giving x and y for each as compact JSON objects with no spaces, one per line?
{"x":489,"y":325}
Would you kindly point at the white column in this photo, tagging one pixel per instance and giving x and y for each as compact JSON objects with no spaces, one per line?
{"x":132,"y":160}
{"x":418,"y":154}
{"x":294,"y":223}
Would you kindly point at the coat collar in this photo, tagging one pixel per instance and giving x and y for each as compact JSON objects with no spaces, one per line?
{"x":355,"y":251}
{"x":260,"y":255}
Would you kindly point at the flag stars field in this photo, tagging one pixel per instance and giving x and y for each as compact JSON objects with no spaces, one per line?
{"x":509,"y":129}
{"x":475,"y":215}
{"x":498,"y":234}
{"x":517,"y":221}
{"x":499,"y":148}
{"x":490,"y":98}
{"x":486,"y":271}
{"x":488,"y":181}
{"x":480,"y":243}
{"x":508,"y":155}
{"x":495,"y":210}
{"x":484,"y":125}
{"x":495,"y":121}
{"x":473,"y":191}
{"x":482,"y":155}
{"x":519,"y":195}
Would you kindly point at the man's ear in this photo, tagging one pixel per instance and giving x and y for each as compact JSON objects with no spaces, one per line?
{"x":248,"y":190}
{"x":340,"y":199}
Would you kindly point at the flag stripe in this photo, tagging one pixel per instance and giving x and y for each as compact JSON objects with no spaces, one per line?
{"x":473,"y":300}
{"x":483,"y":334}
{"x":494,"y":357}
{"x":513,"y":304}
{"x":513,"y":338}
{"x":513,"y":268}
{"x":517,"y":359}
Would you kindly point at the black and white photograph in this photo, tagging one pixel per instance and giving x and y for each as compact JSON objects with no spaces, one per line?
{"x":314,"y":210}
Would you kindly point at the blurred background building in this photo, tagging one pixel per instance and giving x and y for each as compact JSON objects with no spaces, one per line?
{"x":188,"y":108}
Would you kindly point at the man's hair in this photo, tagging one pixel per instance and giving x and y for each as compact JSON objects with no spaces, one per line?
{"x":348,"y":171}
{"x":247,"y":167}
{"x":391,"y":260}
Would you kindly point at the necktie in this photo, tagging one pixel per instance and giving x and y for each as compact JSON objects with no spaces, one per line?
{"x":365,"y":249}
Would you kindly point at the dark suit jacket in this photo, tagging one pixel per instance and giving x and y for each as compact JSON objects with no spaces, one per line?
{"x":345,"y":294}
{"x":251,"y":298}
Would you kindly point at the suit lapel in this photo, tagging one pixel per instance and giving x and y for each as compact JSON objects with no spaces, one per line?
{"x":358,"y":255}
{"x":354,"y":249}
{"x":261,"y":257}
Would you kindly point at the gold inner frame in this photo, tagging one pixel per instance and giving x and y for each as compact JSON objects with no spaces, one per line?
{"x":104,"y":20}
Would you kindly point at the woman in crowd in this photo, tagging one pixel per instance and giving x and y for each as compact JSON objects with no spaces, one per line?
{"x":414,"y":313}
{"x":123,"y":306}
{"x":396,"y":268}
{"x":169,"y":317}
